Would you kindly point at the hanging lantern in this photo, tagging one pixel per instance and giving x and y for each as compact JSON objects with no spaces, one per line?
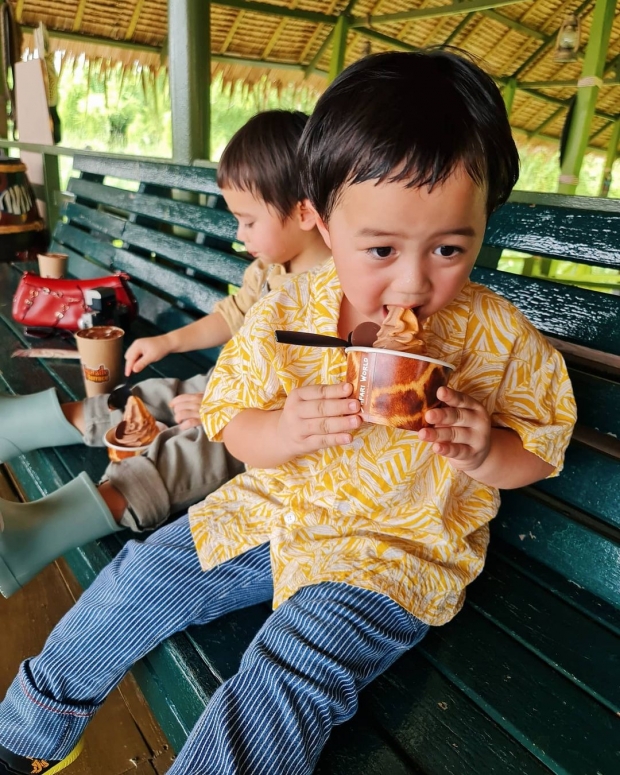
{"x":567,"y":43}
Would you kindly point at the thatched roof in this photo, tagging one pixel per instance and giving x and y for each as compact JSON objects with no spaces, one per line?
{"x":514,"y":40}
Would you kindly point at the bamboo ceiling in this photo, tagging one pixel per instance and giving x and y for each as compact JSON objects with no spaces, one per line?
{"x":514,"y":40}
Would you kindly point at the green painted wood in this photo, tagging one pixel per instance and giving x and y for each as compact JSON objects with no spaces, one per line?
{"x":582,"y":599}
{"x":92,"y":219}
{"x":201,"y":179}
{"x":557,"y":232}
{"x":589,"y":482}
{"x":201,"y":258}
{"x":206,"y":220}
{"x":439,"y":727}
{"x":585,"y":317}
{"x":177,"y":288}
{"x":594,"y":396}
{"x":571,"y":642}
{"x":80,"y":241}
{"x":554,"y":719}
{"x":573,"y":550}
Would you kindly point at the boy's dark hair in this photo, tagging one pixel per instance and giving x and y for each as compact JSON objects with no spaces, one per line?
{"x":408,"y":117}
{"x":261,"y":158}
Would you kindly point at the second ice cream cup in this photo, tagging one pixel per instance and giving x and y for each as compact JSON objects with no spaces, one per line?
{"x":116,"y":452}
{"x":395,"y":388}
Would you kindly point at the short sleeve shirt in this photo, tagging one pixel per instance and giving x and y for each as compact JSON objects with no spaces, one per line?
{"x":258,"y":279}
{"x":384,"y":513}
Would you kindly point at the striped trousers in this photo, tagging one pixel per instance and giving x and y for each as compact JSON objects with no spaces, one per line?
{"x":299,"y":677}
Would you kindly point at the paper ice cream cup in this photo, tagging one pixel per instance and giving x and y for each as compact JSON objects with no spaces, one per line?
{"x":116,"y":452}
{"x":395,"y":388}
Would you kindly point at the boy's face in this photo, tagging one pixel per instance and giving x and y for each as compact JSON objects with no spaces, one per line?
{"x":405,"y":247}
{"x":261,"y":228}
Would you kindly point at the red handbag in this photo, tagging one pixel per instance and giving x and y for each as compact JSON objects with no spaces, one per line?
{"x":45,"y":302}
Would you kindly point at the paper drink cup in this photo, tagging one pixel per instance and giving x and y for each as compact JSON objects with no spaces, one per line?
{"x":52,"y":264}
{"x":395,"y":388}
{"x":116,"y":452}
{"x":101,"y":355}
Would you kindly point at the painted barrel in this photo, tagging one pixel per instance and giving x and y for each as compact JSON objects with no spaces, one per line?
{"x":21,"y":226}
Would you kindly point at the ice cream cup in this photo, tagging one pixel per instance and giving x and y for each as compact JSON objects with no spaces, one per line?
{"x":116,"y":452}
{"x":395,"y":388}
{"x":52,"y":264}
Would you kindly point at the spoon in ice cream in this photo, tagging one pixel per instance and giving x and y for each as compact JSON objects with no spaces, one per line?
{"x":363,"y":335}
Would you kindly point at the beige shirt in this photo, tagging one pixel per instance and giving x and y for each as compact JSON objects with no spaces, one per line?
{"x":258,"y":280}
{"x":384,"y":513}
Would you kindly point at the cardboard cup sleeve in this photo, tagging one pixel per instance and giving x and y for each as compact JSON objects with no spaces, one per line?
{"x":395,"y":388}
{"x":52,"y":264}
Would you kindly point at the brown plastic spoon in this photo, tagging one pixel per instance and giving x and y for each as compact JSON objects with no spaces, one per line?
{"x":363,"y":335}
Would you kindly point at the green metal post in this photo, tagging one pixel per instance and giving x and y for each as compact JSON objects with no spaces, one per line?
{"x":509,"y":94}
{"x":189,"y":65}
{"x":4,"y":129}
{"x":591,"y":75}
{"x":612,"y":149}
{"x":339,"y":47}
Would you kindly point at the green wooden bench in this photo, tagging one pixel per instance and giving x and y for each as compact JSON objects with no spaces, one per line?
{"x":527,"y":678}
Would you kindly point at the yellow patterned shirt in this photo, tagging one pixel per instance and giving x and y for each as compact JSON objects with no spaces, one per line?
{"x":384,"y":513}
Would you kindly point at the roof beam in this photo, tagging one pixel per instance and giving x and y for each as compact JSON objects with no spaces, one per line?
{"x":123,"y":45}
{"x":515,"y":25}
{"x":79,"y":15}
{"x":560,"y":84}
{"x":453,"y":9}
{"x":134,"y":20}
{"x":281,"y":10}
{"x":379,"y":36}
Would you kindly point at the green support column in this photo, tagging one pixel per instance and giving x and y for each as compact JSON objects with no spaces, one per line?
{"x":4,"y":131}
{"x":508,"y":94}
{"x":591,"y":75}
{"x":189,"y":65}
{"x":339,"y":47}
{"x":612,"y":149}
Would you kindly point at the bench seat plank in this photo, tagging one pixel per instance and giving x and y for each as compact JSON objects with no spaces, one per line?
{"x":580,"y":648}
{"x":581,"y":555}
{"x":562,"y":725}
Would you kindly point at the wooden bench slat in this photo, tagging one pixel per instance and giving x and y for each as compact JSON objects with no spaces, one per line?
{"x":587,"y":482}
{"x":68,"y":236}
{"x":177,"y":287}
{"x":200,"y":179}
{"x":91,"y":218}
{"x":581,"y":649}
{"x":594,"y":396}
{"x":201,"y":258}
{"x":582,"y":599}
{"x":205,"y":220}
{"x":562,"y":725}
{"x":578,"y":553}
{"x":586,"y":317}
{"x":583,"y":236}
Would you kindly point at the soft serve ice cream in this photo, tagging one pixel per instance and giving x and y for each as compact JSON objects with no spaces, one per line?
{"x":134,"y":433}
{"x":137,"y":428}
{"x":394,"y":381}
{"x":400,"y":331}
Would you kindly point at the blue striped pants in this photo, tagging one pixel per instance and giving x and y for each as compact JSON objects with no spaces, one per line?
{"x":299,"y":677}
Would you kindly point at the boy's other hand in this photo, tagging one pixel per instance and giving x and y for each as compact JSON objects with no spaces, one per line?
{"x":186,"y":409}
{"x":318,"y":416}
{"x":144,"y":351}
{"x":461,"y":430}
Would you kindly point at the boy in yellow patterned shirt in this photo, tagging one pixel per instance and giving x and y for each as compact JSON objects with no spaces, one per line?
{"x":362,"y":535}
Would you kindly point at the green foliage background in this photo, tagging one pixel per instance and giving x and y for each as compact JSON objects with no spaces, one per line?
{"x":105,"y":110}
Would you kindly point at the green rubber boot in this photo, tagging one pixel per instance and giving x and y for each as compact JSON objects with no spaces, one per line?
{"x":32,"y":422}
{"x":36,"y":533}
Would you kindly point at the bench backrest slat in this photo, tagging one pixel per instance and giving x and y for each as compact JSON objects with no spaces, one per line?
{"x":196,"y":179}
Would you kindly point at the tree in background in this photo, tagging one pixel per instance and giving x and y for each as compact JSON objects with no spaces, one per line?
{"x":127,"y":110}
